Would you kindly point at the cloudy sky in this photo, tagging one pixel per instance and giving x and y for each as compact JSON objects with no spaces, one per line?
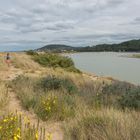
{"x":26,"y":24}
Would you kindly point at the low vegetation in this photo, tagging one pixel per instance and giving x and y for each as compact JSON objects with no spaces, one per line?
{"x":104,"y":124}
{"x":24,"y":62}
{"x":4,"y":97}
{"x":131,"y":99}
{"x":17,"y":127}
{"x":49,"y":97}
{"x":87,"y":109}
{"x":54,"y":60}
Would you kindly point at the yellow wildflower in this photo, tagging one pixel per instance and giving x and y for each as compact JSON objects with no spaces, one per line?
{"x":26,"y":120}
{"x":49,"y":136}
{"x":20,"y":113}
{"x":54,"y":102}
{"x":5,"y":120}
{"x":36,"y":135}
{"x":11,"y":118}
{"x":15,"y":138}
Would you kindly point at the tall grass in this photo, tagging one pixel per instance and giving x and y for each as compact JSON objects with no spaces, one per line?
{"x":104,"y":124}
{"x":17,"y":127}
{"x":48,"y":101}
{"x":89,"y":109}
{"x":24,"y":62}
{"x":4,"y":97}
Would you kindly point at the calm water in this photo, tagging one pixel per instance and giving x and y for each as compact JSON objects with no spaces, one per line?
{"x":109,"y":64}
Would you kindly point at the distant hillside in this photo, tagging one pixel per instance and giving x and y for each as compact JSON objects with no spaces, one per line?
{"x":56,"y":47}
{"x":128,"y":46}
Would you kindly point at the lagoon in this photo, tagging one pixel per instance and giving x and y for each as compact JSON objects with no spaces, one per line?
{"x":112,"y":64}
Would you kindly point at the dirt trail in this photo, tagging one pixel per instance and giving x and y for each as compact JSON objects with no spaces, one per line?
{"x":15,"y":106}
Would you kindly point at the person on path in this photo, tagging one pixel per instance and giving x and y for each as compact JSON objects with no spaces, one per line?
{"x":8,"y":59}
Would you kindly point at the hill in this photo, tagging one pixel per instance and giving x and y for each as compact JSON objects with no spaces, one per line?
{"x":127,"y":46}
{"x":56,"y":48}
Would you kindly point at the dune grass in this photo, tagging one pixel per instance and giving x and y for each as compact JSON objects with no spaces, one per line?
{"x":104,"y":124}
{"x":88,"y":109}
{"x":49,"y":98}
{"x":4,"y":97}
{"x":24,"y":62}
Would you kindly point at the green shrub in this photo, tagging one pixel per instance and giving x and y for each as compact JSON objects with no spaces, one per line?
{"x":31,"y":52}
{"x":131,"y":99}
{"x":50,"y":83}
{"x":55,"y":83}
{"x":117,"y":87}
{"x":56,"y":60}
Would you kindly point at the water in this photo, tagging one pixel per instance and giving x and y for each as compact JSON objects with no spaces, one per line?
{"x":109,"y":64}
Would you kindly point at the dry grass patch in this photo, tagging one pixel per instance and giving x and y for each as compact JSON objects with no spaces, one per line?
{"x":104,"y":124}
{"x":23,"y":61}
{"x":4,"y":98}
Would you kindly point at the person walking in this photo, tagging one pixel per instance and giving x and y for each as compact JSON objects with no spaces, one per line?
{"x":8,"y":59}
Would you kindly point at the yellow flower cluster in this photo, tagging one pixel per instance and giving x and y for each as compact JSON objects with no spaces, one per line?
{"x":49,"y":136}
{"x":17,"y":134}
{"x":36,"y":135}
{"x":26,"y":120}
{"x":8,"y":128}
{"x":50,"y":104}
{"x":14,"y":127}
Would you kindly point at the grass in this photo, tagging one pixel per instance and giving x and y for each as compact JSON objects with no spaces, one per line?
{"x":104,"y":124}
{"x":24,"y":62}
{"x":48,"y":102}
{"x":17,"y":127}
{"x":4,"y":97}
{"x":54,"y":60}
{"x":88,"y":109}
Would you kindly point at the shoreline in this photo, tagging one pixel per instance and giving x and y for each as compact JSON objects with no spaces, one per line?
{"x":103,"y":79}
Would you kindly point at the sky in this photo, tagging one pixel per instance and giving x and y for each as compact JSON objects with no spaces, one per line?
{"x":29,"y":24}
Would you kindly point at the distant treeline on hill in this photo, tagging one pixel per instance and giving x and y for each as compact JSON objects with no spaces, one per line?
{"x":128,"y":46}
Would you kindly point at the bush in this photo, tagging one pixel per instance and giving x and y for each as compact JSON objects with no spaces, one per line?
{"x":55,"y":60}
{"x":50,"y":83}
{"x":54,"y":83}
{"x":117,"y":88}
{"x":131,"y":99}
{"x":31,"y":52}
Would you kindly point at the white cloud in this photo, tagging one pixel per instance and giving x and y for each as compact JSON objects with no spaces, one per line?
{"x":75,"y":22}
